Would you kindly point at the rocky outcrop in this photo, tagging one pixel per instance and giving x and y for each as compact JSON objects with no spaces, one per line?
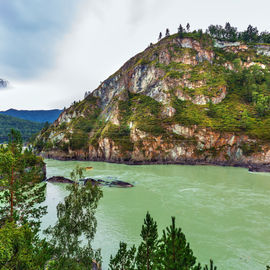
{"x":192,"y":145}
{"x":133,"y":116}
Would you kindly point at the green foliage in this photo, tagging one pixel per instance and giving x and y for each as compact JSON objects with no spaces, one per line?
{"x":262,"y":103}
{"x":63,"y":126}
{"x":21,"y":249}
{"x":85,"y":125}
{"x":168,"y":253}
{"x":76,"y":220}
{"x":250,"y":148}
{"x":27,"y":128}
{"x":77,"y":173}
{"x":147,"y":251}
{"x":188,"y":113}
{"x":230,"y":33}
{"x":211,"y":267}
{"x":120,"y":135}
{"x":22,"y":193}
{"x":78,"y":140}
{"x":175,"y":252}
{"x":124,"y":258}
{"x":146,"y":114}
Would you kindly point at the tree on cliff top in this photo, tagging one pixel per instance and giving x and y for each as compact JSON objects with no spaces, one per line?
{"x":180,"y":31}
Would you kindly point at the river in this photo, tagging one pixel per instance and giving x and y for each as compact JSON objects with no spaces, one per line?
{"x":223,"y":211}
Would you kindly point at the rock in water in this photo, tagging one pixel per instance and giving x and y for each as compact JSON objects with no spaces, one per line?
{"x":59,"y":179}
{"x":121,"y":184}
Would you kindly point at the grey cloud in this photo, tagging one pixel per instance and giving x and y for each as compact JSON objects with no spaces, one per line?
{"x":28,"y":31}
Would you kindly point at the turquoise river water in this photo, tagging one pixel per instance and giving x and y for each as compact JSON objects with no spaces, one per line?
{"x":223,"y":211}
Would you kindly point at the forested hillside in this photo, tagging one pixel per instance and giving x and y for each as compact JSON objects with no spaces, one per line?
{"x":27,"y":128}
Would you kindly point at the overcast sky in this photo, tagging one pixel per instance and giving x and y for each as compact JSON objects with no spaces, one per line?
{"x":52,"y":51}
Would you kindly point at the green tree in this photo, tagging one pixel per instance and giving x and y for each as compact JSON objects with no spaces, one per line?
{"x":76,"y":221}
{"x":250,"y":35}
{"x":160,"y":36}
{"x":147,"y":251}
{"x":180,"y":31}
{"x":124,"y":258}
{"x":230,"y":32}
{"x":22,"y":190}
{"x":211,"y":267}
{"x":211,"y":109}
{"x":175,"y":252}
{"x":21,"y":249}
{"x":262,"y":103}
{"x":167,"y":32}
{"x":188,"y":27}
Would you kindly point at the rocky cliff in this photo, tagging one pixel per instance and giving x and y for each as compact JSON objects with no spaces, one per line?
{"x":183,"y":100}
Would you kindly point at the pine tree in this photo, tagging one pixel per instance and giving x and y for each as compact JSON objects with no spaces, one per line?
{"x":21,"y":174}
{"x":160,"y":36}
{"x":188,"y":27}
{"x":180,"y":31}
{"x":124,"y":258}
{"x":212,"y":267}
{"x":167,"y":32}
{"x":146,"y":256}
{"x":76,"y":220}
{"x":20,"y":248}
{"x":175,"y":252}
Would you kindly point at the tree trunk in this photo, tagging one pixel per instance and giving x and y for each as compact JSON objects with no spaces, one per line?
{"x":11,"y":194}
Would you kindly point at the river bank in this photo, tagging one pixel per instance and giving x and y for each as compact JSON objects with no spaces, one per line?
{"x":252,"y":167}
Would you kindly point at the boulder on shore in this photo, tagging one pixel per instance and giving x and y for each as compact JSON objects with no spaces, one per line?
{"x":258,"y":168}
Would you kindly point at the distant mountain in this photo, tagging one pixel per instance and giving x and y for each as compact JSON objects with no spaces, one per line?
{"x":40,"y":116}
{"x":3,"y":83}
{"x":27,"y":128}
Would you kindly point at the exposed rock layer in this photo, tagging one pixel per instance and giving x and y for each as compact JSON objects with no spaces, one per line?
{"x":111,"y":124}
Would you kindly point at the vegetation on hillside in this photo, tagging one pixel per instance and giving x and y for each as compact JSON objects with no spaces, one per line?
{"x":242,"y":74}
{"x":228,"y":33}
{"x":26,"y":128}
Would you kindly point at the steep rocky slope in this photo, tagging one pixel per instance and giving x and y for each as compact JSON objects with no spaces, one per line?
{"x":182,"y":100}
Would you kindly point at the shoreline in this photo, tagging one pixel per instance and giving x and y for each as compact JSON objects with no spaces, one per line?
{"x":252,"y":167}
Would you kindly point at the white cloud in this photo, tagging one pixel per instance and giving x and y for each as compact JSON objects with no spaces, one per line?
{"x":106,"y":33}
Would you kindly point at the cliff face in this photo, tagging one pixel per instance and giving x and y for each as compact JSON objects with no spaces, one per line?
{"x":191,"y":100}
